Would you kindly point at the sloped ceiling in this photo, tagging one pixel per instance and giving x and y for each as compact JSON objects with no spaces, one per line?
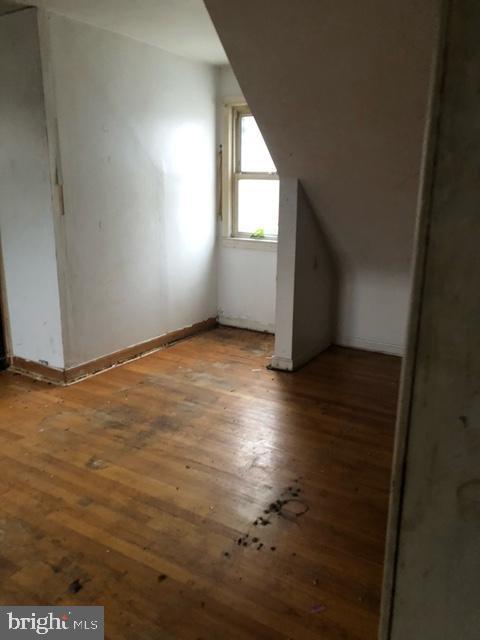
{"x":179,"y":26}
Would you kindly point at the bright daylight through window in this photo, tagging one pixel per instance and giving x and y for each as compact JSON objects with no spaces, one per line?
{"x":254,"y":183}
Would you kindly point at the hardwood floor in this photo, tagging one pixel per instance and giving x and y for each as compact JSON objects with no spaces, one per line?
{"x":155,"y":486}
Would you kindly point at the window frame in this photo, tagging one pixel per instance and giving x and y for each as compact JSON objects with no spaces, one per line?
{"x":232,"y":175}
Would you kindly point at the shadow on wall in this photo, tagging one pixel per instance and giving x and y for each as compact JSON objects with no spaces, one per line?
{"x":307,"y":281}
{"x":315,"y":311}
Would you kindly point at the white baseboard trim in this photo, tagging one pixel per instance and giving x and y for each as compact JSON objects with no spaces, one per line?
{"x":242,"y":323}
{"x":281,"y":364}
{"x":371,"y":345}
{"x":287,"y":364}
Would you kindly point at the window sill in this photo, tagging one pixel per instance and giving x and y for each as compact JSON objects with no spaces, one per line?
{"x":249,"y":243}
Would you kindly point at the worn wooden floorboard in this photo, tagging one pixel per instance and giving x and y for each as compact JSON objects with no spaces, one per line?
{"x":140,"y":483}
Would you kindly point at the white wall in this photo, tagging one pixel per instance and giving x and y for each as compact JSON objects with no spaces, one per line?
{"x":377,"y":302}
{"x":246,"y":274}
{"x":246,"y":288}
{"x":227,"y":83}
{"x":137,"y":134}
{"x":306,"y":287}
{"x":315,"y":286}
{"x":26,"y":215}
{"x":339,"y":90}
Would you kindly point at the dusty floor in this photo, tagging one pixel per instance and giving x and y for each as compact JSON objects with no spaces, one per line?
{"x":197,"y":495}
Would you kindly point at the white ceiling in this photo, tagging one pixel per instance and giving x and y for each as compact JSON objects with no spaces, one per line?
{"x":180,"y":26}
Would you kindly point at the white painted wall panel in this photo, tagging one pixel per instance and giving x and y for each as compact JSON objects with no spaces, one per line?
{"x":137,"y":136}
{"x":246,"y":288}
{"x":26,"y":215}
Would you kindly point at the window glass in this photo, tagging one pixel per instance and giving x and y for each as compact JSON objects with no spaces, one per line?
{"x":258,"y":206}
{"x":254,"y":155}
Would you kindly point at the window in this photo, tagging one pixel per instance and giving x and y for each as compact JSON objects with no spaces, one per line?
{"x":252,"y":194}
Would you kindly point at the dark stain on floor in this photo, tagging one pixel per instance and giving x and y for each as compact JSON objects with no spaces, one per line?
{"x":288,"y":506}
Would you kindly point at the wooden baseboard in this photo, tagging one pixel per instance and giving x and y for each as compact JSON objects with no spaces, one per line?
{"x":36,"y":370}
{"x":68,"y":376}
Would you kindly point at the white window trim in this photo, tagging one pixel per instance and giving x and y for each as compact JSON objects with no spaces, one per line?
{"x":230,"y":159}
